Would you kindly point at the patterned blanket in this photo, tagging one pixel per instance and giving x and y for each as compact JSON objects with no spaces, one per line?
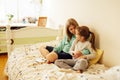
{"x":27,"y":63}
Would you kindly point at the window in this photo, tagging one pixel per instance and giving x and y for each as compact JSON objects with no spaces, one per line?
{"x":21,"y":9}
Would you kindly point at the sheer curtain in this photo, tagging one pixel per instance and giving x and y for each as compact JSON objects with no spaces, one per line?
{"x":19,"y":8}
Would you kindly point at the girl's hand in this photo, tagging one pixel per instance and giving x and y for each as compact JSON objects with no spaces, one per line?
{"x":83,"y":57}
{"x":77,"y":54}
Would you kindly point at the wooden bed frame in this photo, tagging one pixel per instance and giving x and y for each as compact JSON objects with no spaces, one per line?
{"x":30,"y":35}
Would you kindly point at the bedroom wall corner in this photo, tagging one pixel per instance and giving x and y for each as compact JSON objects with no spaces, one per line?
{"x":101,"y":15}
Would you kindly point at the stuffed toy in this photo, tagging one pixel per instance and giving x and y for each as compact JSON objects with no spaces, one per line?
{"x":51,"y":57}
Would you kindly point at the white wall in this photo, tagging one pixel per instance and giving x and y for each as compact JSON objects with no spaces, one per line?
{"x":103,"y":16}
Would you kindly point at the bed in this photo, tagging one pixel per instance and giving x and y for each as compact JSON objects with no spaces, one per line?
{"x":30,"y":35}
{"x":27,"y":63}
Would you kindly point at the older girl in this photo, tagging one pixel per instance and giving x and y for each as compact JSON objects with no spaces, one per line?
{"x":62,"y":50}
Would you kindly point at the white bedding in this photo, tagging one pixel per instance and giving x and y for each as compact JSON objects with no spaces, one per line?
{"x":26,"y":63}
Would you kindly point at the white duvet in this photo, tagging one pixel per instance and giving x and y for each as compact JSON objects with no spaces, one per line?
{"x":26,"y":63}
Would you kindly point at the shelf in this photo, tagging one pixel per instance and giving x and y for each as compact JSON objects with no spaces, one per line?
{"x":15,"y":26}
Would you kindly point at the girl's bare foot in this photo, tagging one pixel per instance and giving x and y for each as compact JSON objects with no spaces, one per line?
{"x":65,"y":70}
{"x":78,"y":71}
{"x":48,"y":62}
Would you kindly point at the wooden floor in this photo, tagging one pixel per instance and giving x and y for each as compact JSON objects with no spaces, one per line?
{"x":3,"y":59}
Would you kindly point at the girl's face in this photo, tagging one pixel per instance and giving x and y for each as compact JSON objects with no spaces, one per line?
{"x":72,"y":29}
{"x":79,"y":37}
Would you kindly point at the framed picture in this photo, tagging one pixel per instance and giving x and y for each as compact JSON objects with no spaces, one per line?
{"x":42,"y":21}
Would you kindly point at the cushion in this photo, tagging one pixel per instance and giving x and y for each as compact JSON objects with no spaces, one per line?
{"x":98,"y":56}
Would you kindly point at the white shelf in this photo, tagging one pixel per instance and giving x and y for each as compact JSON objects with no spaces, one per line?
{"x":19,"y":24}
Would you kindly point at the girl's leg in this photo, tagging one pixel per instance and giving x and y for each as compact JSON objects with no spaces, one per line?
{"x":51,"y":57}
{"x":81,"y":64}
{"x":65,"y":63}
{"x":63,"y":55}
{"x":44,"y":50}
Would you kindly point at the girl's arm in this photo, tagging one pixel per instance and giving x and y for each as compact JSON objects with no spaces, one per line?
{"x":92,"y":52}
{"x":60,"y":46}
{"x":72,"y":49}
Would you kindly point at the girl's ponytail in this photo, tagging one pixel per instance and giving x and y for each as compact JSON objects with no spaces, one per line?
{"x":92,"y":40}
{"x":86,"y":33}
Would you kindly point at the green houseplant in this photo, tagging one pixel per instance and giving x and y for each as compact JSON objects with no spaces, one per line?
{"x":10,"y":16}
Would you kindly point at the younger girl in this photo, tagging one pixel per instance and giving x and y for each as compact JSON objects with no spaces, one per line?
{"x":82,"y":50}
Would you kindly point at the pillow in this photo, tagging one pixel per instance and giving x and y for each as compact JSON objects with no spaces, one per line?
{"x":98,"y":56}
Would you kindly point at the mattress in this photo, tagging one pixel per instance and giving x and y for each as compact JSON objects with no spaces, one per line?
{"x":27,"y":63}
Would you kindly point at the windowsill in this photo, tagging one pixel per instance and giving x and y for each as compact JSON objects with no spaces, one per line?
{"x":19,"y":24}
{"x":15,"y":26}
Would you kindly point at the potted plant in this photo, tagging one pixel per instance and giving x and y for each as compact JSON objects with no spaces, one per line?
{"x":10,"y":16}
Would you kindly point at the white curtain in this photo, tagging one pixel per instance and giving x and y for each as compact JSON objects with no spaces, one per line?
{"x":19,"y":8}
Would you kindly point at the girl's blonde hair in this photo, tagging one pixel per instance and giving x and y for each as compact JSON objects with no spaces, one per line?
{"x":85,"y":32}
{"x":70,"y":22}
